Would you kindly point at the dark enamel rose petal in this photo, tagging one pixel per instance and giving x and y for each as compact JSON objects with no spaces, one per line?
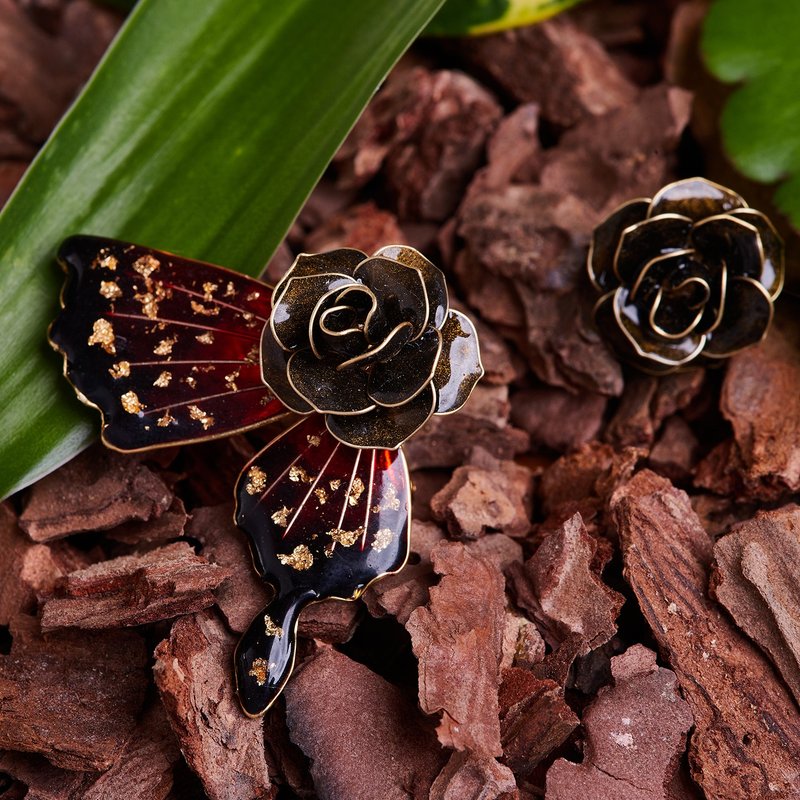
{"x":292,"y":312}
{"x":386,"y":350}
{"x":384,"y":427}
{"x":649,"y":239}
{"x":326,"y":388}
{"x":695,"y":198}
{"x":435,"y":285}
{"x":459,"y":367}
{"x":274,"y":361}
{"x":400,"y":378}
{"x":337,"y":324}
{"x":343,"y":261}
{"x":746,"y":318}
{"x":605,"y":240}
{"x":730,"y":240}
{"x":400,"y":291}
{"x":771,"y":277}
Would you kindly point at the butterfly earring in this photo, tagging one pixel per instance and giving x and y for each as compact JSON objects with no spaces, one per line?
{"x":361,"y":350}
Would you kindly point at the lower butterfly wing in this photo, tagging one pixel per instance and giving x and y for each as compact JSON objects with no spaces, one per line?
{"x":165,"y":347}
{"x":324,"y":520}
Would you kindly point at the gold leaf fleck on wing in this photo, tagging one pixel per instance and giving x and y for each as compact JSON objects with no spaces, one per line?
{"x":103,"y":334}
{"x":271,"y":627}
{"x":122,"y":369}
{"x":256,"y":480}
{"x":301,"y":558}
{"x":130,"y":402}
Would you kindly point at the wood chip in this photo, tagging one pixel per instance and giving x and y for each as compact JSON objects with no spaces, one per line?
{"x":99,"y":489}
{"x":635,"y":735}
{"x":134,"y":590}
{"x":458,"y":641}
{"x":755,"y":578}
{"x":470,"y":777}
{"x":747,"y":728}
{"x":194,"y":677}
{"x":168,"y":527}
{"x":72,"y":697}
{"x":365,"y":737}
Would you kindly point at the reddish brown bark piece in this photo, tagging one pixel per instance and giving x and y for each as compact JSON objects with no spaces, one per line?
{"x":364,"y":227}
{"x":557,"y":419}
{"x":756,"y":580}
{"x":332,"y":621}
{"x":673,"y":455}
{"x":523,"y":645}
{"x":470,"y":777}
{"x":747,"y":728}
{"x":447,"y":440}
{"x":457,"y":639}
{"x":143,"y":770}
{"x":478,"y":499}
{"x":427,"y":130}
{"x":72,"y":697}
{"x":43,"y":781}
{"x":193,"y":673}
{"x":534,"y":719}
{"x":170,"y":525}
{"x":134,"y":590}
{"x":288,"y":765}
{"x":635,"y":735}
{"x":365,"y":737}
{"x":554,"y":64}
{"x":761,"y":398}
{"x":559,"y":587}
{"x":97,"y":490}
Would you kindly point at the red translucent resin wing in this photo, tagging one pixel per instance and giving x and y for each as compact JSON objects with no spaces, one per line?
{"x":324,"y":520}
{"x":165,"y":347}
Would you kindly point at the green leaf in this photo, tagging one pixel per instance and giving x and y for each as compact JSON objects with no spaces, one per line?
{"x":202,"y":132}
{"x":755,"y":44}
{"x":475,"y":17}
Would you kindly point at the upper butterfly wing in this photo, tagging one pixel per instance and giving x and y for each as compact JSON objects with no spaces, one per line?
{"x":167,"y":348}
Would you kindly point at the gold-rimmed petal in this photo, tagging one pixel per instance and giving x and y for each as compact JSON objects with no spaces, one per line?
{"x":387,"y":349}
{"x":695,"y":198}
{"x":656,"y":269}
{"x":338,"y":300}
{"x":290,"y":315}
{"x":459,"y":367}
{"x":392,"y":383}
{"x":750,"y":310}
{"x":343,"y":261}
{"x":606,"y":236}
{"x":732,"y":240}
{"x":773,"y":272}
{"x":385,"y":428}
{"x":274,"y":363}
{"x":435,"y":284}
{"x":644,"y":241}
{"x":698,"y":308}
{"x":319,"y":383}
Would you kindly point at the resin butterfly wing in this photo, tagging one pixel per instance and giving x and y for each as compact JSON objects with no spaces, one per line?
{"x":167,"y":348}
{"x":324,"y":520}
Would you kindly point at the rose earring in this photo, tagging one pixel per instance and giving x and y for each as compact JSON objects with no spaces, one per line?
{"x":174,"y":351}
{"x":686,"y":278}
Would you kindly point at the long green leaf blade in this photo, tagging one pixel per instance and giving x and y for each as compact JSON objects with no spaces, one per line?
{"x":202,"y":132}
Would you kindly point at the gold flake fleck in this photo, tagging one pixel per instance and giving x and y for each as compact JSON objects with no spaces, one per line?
{"x":206,"y":420}
{"x":253,"y":296}
{"x":248,"y":316}
{"x":122,"y":369}
{"x":164,"y":347}
{"x":259,"y":670}
{"x":252,"y":355}
{"x":356,"y":490}
{"x":151,"y":298}
{"x":199,"y":308}
{"x":300,"y":558}
{"x":383,"y":538}
{"x":335,"y":484}
{"x":105,"y":260}
{"x":298,"y":474}
{"x":146,"y":265}
{"x":271,"y":627}
{"x":209,"y":289}
{"x":205,"y":338}
{"x":103,"y":334}
{"x":390,"y":499}
{"x":163,"y":380}
{"x":110,"y":290}
{"x":166,"y":420}
{"x":281,"y":517}
{"x":346,"y":538}
{"x":313,"y":440}
{"x":230,"y":290}
{"x":256,"y":480}
{"x":230,"y":381}
{"x":322,"y":495}
{"x":130,"y":402}
{"x":190,"y":382}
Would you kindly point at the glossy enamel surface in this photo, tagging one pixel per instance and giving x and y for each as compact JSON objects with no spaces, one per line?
{"x":323,"y":520}
{"x":686,"y":278}
{"x":165,"y":347}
